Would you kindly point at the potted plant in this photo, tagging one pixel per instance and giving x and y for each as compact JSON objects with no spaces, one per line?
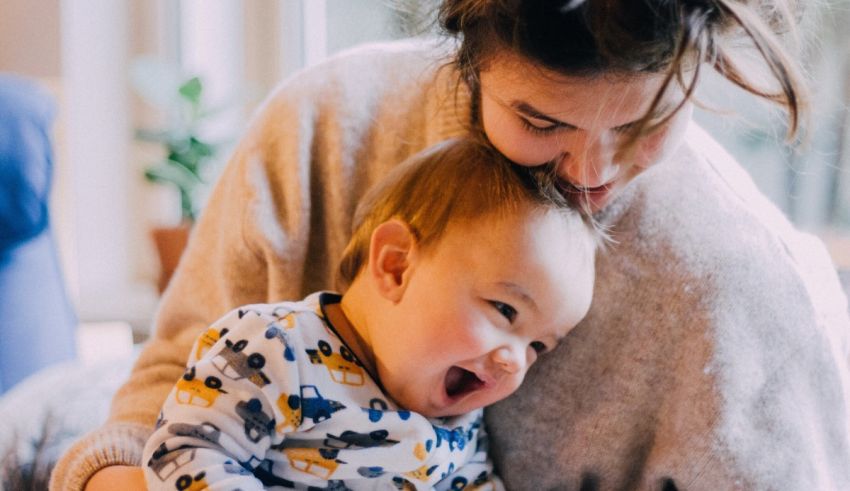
{"x":184,"y":166}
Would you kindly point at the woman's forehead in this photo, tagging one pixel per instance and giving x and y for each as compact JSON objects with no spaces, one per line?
{"x":514,"y":82}
{"x":525,"y":77}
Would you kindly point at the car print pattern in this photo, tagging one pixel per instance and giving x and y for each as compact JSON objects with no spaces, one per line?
{"x":256,"y":423}
{"x":188,"y":482}
{"x":289,"y":406}
{"x":343,"y":367}
{"x":233,"y":363}
{"x":349,"y":439}
{"x":195,"y":392}
{"x":275,"y":387}
{"x":207,"y":340}
{"x":276,"y":331}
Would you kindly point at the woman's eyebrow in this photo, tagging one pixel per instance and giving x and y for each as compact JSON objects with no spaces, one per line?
{"x":658,"y":113}
{"x":528,"y":110}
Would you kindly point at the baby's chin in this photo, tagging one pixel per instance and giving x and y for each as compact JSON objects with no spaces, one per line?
{"x":432,"y":409}
{"x":457,"y":410}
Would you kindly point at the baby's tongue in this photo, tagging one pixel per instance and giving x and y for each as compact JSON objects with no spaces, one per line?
{"x":459,"y":381}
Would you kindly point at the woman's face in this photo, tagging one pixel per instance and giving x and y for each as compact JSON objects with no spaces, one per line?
{"x":534,"y":117}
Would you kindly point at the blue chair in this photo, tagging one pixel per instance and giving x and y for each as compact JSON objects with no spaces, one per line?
{"x":37,"y":322}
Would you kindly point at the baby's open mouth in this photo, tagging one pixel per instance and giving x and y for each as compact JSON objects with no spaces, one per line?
{"x":460,"y":382}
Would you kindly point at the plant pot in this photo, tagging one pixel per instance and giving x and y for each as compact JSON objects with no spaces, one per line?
{"x":170,"y":243}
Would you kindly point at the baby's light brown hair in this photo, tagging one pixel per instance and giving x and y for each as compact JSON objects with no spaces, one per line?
{"x":454,"y":182}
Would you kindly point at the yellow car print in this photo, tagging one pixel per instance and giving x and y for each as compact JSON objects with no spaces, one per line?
{"x":343,"y":367}
{"x":207,"y":340}
{"x":192,"y":483}
{"x":194,"y":392}
{"x":290,"y":407}
{"x":319,"y":462}
{"x":285,"y":317}
{"x":422,"y":473}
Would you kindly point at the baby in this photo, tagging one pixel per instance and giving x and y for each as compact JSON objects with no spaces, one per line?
{"x":462,"y":270}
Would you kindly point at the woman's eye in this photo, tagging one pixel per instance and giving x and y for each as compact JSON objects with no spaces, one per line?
{"x":538,"y":130}
{"x":506,"y":310}
{"x":625,"y":129}
{"x":628,"y":128}
{"x":539,"y":347}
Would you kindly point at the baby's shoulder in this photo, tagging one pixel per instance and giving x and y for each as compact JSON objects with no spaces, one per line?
{"x":288,"y":312}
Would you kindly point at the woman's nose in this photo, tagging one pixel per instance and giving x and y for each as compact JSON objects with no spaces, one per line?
{"x":588,"y":161}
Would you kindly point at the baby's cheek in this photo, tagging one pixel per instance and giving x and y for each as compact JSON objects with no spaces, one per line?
{"x":514,"y":384}
{"x":530,"y":356}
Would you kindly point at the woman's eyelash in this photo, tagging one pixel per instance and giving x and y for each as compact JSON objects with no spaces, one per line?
{"x":537,"y":130}
{"x":626,"y":128}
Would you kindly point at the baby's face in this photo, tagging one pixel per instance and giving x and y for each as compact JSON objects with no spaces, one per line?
{"x":480,"y":307}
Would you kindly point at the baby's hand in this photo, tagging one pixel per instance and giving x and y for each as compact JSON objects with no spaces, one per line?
{"x":124,"y":477}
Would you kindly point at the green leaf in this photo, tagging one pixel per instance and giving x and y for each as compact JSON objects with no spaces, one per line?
{"x":200,"y":148}
{"x":191,"y":90}
{"x":187,"y":209}
{"x":176,"y":175}
{"x":153,"y":136}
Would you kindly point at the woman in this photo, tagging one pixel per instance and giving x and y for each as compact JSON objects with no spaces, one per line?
{"x":715,"y":353}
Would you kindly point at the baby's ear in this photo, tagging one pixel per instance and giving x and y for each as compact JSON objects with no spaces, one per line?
{"x":390,"y":254}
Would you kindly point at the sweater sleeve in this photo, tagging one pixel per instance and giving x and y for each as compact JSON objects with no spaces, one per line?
{"x":225,"y":265}
{"x":283,"y":203}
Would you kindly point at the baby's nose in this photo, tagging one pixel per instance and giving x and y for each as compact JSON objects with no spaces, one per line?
{"x":508,"y":359}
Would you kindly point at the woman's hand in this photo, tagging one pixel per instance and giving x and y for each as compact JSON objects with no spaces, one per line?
{"x":125,"y":477}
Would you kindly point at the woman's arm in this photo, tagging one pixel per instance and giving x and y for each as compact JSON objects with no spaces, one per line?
{"x":225,"y":265}
{"x":283,"y":203}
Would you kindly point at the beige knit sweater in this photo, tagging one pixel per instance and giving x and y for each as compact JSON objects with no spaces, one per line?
{"x":714,"y":356}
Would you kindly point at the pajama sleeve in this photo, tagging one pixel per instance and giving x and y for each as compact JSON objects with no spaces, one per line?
{"x":219,"y":420}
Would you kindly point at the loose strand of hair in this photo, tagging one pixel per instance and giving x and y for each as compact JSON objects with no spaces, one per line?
{"x":777,"y":61}
{"x":688,"y":42}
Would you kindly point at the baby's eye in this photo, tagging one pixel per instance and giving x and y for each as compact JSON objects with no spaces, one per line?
{"x":506,"y":310}
{"x":539,"y":347}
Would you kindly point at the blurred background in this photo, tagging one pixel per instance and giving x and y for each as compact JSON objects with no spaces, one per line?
{"x":151,"y":95}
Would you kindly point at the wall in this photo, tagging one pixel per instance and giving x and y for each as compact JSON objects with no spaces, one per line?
{"x":30,"y":38}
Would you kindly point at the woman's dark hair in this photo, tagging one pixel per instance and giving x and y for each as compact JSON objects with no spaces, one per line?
{"x":592,"y":37}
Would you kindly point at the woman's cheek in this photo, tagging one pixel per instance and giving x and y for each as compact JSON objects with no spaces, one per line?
{"x":522,"y":147}
{"x":513,"y":141}
{"x":659,"y":146}
{"x":662,"y":144}
{"x":652,"y":149}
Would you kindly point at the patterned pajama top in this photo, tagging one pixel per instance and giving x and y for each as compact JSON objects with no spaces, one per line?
{"x":273,"y":398}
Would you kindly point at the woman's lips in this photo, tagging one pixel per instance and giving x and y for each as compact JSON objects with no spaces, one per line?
{"x":568,"y":187}
{"x":596,"y":196}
